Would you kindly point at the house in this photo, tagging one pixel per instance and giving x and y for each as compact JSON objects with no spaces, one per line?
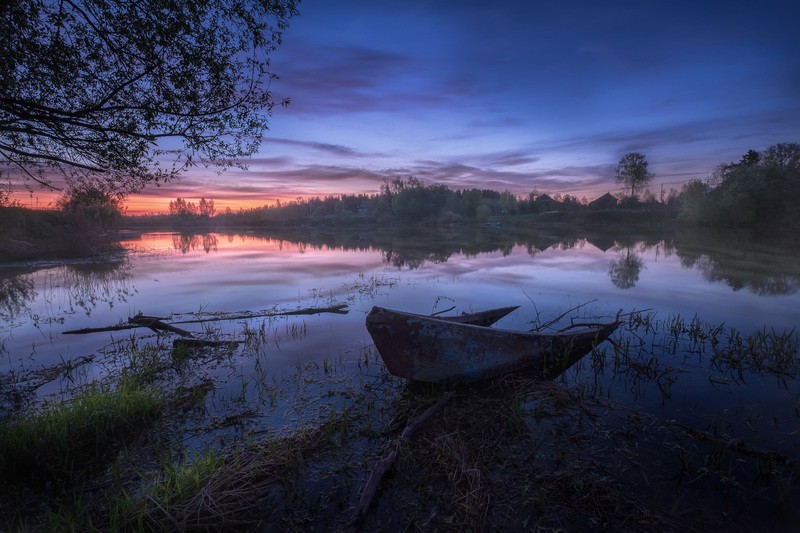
{"x":607,"y":201}
{"x":545,"y":203}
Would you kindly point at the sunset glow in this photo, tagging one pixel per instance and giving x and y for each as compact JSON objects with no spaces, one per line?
{"x":517,"y":97}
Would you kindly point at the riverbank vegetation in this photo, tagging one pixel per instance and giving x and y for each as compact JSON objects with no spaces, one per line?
{"x":760,"y":192}
{"x":82,"y":224}
{"x":155,"y":445}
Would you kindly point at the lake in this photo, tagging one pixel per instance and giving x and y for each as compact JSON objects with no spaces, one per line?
{"x":732,"y":282}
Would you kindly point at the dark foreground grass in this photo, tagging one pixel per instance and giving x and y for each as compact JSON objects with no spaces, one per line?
{"x":65,"y":440}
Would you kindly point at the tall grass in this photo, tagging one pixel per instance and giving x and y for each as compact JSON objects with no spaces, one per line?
{"x":64,"y":440}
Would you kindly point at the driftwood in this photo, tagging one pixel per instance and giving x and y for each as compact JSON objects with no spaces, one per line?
{"x":157,"y":323}
{"x":388,"y":460}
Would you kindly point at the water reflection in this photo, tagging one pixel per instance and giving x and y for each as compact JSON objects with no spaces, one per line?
{"x":187,"y":242}
{"x":84,"y":287}
{"x":624,"y":271}
{"x":64,"y":290}
{"x":15,"y":293}
{"x":741,"y":261}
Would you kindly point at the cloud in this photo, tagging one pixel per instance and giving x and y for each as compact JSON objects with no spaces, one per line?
{"x":334,"y":149}
{"x":328,"y":80}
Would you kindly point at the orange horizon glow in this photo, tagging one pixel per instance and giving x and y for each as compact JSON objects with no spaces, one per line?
{"x":139,"y":205}
{"x":148,"y":203}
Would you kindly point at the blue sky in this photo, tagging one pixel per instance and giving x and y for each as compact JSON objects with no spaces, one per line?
{"x":517,"y":95}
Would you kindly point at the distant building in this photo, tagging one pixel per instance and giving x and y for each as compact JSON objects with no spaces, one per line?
{"x":607,"y":201}
{"x":545,"y":203}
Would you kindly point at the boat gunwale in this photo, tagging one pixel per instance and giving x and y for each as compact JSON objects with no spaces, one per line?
{"x":371,"y":321}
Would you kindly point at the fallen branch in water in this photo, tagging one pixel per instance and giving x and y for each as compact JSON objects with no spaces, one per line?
{"x":157,"y":323}
{"x":592,"y":324}
{"x":340,"y":309}
{"x":562,"y":315}
{"x":388,"y":460}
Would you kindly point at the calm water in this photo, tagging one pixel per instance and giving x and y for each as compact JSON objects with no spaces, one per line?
{"x":730,"y":279}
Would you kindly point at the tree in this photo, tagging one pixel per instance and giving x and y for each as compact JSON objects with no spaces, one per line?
{"x":508,"y":203}
{"x":117,"y":94}
{"x":182,"y":209}
{"x":633,"y":172}
{"x":89,"y":212}
{"x":206,"y":208}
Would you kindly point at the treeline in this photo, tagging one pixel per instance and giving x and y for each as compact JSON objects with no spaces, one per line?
{"x":761,"y":189}
{"x":405,"y":201}
{"x":83,"y":223}
{"x":400,"y":200}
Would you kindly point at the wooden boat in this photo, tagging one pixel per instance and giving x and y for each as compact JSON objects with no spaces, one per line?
{"x":433,"y":349}
{"x":481,"y":318}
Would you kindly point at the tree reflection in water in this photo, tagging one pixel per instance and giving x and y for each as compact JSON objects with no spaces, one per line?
{"x":67,"y":289}
{"x":186,"y":242}
{"x":739,"y":260}
{"x":85,"y":286}
{"x":624,"y":271}
{"x":15,"y":293}
{"x":743,"y":261}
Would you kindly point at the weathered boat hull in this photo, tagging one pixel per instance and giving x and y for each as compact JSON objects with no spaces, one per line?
{"x":429,"y":349}
{"x":481,"y":318}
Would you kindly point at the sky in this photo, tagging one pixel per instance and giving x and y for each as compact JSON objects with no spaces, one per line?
{"x":514,"y":95}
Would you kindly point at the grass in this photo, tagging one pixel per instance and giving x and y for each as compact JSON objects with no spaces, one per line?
{"x":216,"y":490}
{"x":64,"y":440}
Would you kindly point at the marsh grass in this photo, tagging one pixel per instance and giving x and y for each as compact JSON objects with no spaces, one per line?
{"x":216,"y":490}
{"x":515,"y":453}
{"x":647,"y":349}
{"x":66,"y":439}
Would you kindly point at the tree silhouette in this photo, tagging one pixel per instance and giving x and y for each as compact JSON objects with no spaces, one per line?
{"x":120,"y":94}
{"x":632,"y":170}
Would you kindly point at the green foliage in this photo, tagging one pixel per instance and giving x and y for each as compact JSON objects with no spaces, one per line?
{"x":482,"y":213}
{"x":761,"y":189}
{"x":632,"y":171}
{"x":696,"y":205}
{"x":106,"y":92}
{"x":90,"y":210}
{"x":66,"y":439}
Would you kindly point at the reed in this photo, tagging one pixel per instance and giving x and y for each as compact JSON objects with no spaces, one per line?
{"x":66,"y":439}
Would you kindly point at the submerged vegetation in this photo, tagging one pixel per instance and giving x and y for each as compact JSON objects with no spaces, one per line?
{"x":150,"y":446}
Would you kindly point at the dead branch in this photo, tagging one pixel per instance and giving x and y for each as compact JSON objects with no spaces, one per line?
{"x":84,"y":331}
{"x":388,"y":460}
{"x":593,"y":324}
{"x":562,"y":315}
{"x":340,"y":309}
{"x":157,"y":325}
{"x":142,"y":321}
